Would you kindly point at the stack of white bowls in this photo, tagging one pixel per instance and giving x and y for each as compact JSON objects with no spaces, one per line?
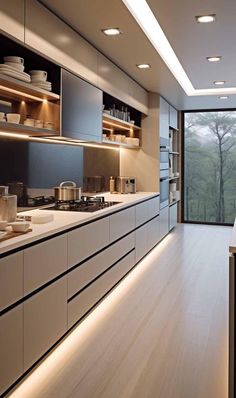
{"x":14,"y":66}
{"x":39,"y":79}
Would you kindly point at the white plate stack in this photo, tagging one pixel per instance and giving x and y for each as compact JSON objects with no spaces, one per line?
{"x":39,"y":79}
{"x":14,"y":67}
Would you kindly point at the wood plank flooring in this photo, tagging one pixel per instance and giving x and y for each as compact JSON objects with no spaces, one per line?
{"x":162,"y":333}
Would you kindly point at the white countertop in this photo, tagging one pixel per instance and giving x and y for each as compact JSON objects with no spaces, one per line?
{"x":232,"y":245}
{"x":64,"y":220}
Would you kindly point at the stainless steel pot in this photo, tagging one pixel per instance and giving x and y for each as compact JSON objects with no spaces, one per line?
{"x":67,"y":191}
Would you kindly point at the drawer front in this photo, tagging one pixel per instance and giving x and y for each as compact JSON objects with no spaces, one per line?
{"x":140,"y":242}
{"x":121,"y":223}
{"x":173,"y":216}
{"x":11,"y":279}
{"x":153,"y":232}
{"x":141,"y":213}
{"x":87,"y":240}
{"x":45,"y":320}
{"x":153,"y":207}
{"x":88,"y":271}
{"x":164,"y":222}
{"x":90,"y":296}
{"x":44,"y":262}
{"x":11,"y":347}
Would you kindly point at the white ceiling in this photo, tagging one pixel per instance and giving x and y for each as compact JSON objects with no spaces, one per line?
{"x":192,"y":43}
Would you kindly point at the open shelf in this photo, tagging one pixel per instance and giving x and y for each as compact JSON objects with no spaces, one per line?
{"x":120,"y":144}
{"x":29,"y":130}
{"x":173,"y":153}
{"x":173,"y":178}
{"x":15,"y":89}
{"x":172,"y":128}
{"x":114,"y":122}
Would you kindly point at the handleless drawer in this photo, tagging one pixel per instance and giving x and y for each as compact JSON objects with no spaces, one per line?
{"x":141,"y":213}
{"x":141,"y":242}
{"x":153,"y":207}
{"x":121,"y":223}
{"x":90,"y":296}
{"x":11,"y":279}
{"x":87,"y":240}
{"x":44,"y":262}
{"x":153,"y":232}
{"x":91,"y":269}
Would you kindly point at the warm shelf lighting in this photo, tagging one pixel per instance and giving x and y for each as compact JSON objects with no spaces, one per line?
{"x":216,"y":58}
{"x":117,"y":125}
{"x":111,"y":31}
{"x":219,"y":82}
{"x":206,"y":18}
{"x":223,"y":97}
{"x":23,"y":94}
{"x":143,"y":66}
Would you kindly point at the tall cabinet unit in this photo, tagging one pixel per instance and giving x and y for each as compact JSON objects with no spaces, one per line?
{"x":174,"y":161}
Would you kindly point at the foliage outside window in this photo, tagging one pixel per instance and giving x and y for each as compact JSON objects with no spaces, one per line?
{"x":210,"y":167}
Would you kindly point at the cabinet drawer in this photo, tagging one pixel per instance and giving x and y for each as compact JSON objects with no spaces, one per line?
{"x":88,"y":271}
{"x":140,"y":242}
{"x":173,"y":216}
{"x":11,"y":347}
{"x":141,"y":215}
{"x":121,"y":223}
{"x":87,"y":240}
{"x":153,"y":207}
{"x":44,"y":262}
{"x":164,"y":222}
{"x":11,"y":279}
{"x":90,"y":296}
{"x":153,"y":232}
{"x":45,"y":320}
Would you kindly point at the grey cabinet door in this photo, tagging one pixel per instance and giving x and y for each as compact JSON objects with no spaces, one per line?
{"x":81,"y":109}
{"x":164,"y":122}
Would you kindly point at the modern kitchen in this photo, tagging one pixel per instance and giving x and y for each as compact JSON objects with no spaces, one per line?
{"x":117,"y":268}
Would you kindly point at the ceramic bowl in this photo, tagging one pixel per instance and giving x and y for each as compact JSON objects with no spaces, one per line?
{"x":39,"y":75}
{"x":3,"y":224}
{"x":14,"y":59}
{"x":15,"y":65}
{"x":19,"y":226}
{"x":13,"y":118}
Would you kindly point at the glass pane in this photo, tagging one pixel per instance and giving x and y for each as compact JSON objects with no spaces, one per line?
{"x":210,"y":166}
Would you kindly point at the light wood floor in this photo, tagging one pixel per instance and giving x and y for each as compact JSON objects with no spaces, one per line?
{"x":161,"y":334}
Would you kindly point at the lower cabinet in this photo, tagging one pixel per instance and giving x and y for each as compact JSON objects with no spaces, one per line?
{"x":121,"y":223}
{"x":11,"y":347}
{"x":92,"y":294}
{"x":153,"y":232}
{"x":141,"y":242}
{"x":164,"y":222}
{"x":45,"y":320}
{"x":172,"y":216}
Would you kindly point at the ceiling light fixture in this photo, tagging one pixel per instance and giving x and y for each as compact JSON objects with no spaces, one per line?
{"x":219,"y":82}
{"x":206,"y":18}
{"x":214,"y":59}
{"x":147,"y":21}
{"x":223,"y":97}
{"x":111,"y":31}
{"x":143,"y":66}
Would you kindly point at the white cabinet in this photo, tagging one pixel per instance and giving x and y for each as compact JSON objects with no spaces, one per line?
{"x":51,"y":37}
{"x":45,"y":320}
{"x":90,"y":296}
{"x":172,"y":216}
{"x":141,"y":215}
{"x":153,"y":207}
{"x":11,"y":279}
{"x":173,"y":118}
{"x":87,"y":240}
{"x":44,"y":262}
{"x":12,"y":18}
{"x":164,"y":222}
{"x":141,"y":242}
{"x":138,"y":97}
{"x":121,"y":223}
{"x":153,"y":232}
{"x":11,"y":347}
{"x":164,"y":122}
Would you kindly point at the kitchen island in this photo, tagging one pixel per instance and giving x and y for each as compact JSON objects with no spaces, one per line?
{"x":52,"y":277}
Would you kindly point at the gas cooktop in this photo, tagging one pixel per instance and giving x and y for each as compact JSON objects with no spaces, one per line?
{"x":86,"y":204}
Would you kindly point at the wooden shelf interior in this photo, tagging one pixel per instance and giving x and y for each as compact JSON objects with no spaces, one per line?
{"x":115,"y":126}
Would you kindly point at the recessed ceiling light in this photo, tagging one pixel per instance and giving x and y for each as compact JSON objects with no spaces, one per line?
{"x":219,"y":82}
{"x":143,"y":66}
{"x":206,"y":18}
{"x":223,"y":97}
{"x":214,"y":59}
{"x":111,"y":31}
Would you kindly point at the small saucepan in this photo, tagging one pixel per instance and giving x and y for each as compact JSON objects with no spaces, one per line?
{"x":67,"y":191}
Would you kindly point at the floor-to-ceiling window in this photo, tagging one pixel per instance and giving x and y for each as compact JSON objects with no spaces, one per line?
{"x":210,"y":166}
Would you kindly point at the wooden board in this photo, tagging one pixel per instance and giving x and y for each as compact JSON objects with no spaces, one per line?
{"x":12,"y":234}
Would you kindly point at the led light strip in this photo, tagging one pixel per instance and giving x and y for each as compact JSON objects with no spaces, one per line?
{"x":13,"y":91}
{"x":150,"y":26}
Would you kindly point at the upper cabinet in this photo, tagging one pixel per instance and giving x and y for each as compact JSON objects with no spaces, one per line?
{"x":173,"y":121}
{"x":49,"y":35}
{"x":12,"y":18}
{"x":164,"y":122}
{"x":81,"y":110}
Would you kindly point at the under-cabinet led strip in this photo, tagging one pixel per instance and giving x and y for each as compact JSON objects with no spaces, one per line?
{"x":13,"y":91}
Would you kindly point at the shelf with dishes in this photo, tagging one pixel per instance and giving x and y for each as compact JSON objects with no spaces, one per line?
{"x":120,"y":132}
{"x":28,"y":130}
